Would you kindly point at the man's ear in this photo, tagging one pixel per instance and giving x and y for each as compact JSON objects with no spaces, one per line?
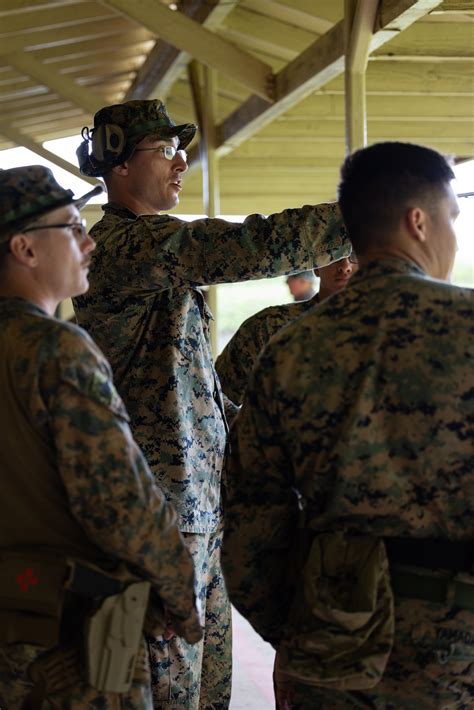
{"x":23,"y":248}
{"x":121,"y":169}
{"x":416,"y":220}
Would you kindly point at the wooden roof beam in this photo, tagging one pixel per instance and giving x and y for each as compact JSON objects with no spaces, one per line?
{"x":289,"y":15}
{"x":202,"y":44}
{"x":165,"y":63}
{"x":46,"y":39}
{"x":67,"y":88}
{"x":317,"y":65}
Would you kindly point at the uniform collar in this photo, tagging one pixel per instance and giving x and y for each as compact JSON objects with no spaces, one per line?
{"x":118,"y":210}
{"x":389,"y":265}
{"x":20,"y":305}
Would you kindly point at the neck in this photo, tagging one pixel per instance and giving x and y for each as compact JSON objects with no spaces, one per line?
{"x":135,"y":204}
{"x":394,"y":252}
{"x":17,"y":288}
{"x":325,"y":292}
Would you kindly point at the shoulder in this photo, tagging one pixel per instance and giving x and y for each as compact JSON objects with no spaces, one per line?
{"x":78,"y":362}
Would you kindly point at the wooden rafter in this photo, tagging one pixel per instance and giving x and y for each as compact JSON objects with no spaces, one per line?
{"x":165,"y":63}
{"x":289,"y":15}
{"x":317,"y":65}
{"x":57,"y":82}
{"x":204,"y":45}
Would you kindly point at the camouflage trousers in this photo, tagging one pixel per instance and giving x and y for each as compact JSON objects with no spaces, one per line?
{"x":431,"y":667}
{"x":15,"y":686}
{"x":198,"y":677}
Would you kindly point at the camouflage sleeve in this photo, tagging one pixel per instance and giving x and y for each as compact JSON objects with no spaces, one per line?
{"x":260,"y":512}
{"x":236,"y":361}
{"x":110,"y":488}
{"x":240,"y":355}
{"x":209,"y":251}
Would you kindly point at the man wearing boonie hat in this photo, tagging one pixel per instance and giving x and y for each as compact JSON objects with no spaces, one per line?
{"x":84,"y":530}
{"x":146,"y":311}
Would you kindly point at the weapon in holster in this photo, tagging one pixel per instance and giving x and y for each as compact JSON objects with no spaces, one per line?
{"x":112,"y":637}
{"x":35,"y":593}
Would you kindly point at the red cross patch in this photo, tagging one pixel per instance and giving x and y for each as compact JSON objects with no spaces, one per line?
{"x":27,"y":579}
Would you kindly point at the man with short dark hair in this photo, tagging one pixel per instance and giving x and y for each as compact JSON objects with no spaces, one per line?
{"x":236,"y":361}
{"x":84,"y":530}
{"x":349,"y":506}
{"x":147,"y":312}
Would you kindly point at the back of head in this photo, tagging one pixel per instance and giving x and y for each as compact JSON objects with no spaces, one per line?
{"x":120,"y":127}
{"x":379,"y":183}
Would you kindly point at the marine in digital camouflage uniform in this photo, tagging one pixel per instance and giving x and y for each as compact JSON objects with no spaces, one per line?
{"x":236,"y":361}
{"x":74,"y":482}
{"x":359,"y":417}
{"x":146,"y":311}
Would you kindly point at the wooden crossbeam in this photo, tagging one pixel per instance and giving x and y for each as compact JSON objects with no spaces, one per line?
{"x":317,"y":65}
{"x":58,"y":83}
{"x":165,"y":63}
{"x":204,"y":45}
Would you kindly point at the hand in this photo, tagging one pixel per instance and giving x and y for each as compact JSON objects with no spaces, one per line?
{"x":282,"y":687}
{"x":169,"y":631}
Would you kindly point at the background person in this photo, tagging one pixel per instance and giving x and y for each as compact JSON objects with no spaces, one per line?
{"x":146,"y":311}
{"x":236,"y":361}
{"x":302,"y":286}
{"x":74,"y":483}
{"x":357,"y":423}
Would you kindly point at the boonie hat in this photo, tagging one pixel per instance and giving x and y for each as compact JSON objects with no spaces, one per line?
{"x":118,"y":129}
{"x":30,"y":191}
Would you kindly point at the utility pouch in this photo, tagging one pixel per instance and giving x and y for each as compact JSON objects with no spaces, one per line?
{"x":340,"y":628}
{"x":31,"y":598}
{"x":112,"y":638}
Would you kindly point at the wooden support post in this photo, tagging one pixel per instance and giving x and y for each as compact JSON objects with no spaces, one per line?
{"x":211,"y":192}
{"x":205,"y":104}
{"x":360,"y":16}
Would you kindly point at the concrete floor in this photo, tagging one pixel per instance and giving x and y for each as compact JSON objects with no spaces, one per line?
{"x":252,"y":686}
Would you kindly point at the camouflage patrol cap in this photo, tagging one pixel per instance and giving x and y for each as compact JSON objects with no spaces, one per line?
{"x":28,"y":192}
{"x":118,"y":129}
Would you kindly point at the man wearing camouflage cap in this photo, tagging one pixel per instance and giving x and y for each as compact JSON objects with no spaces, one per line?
{"x":349,"y":520}
{"x":146,"y":311}
{"x":84,"y":530}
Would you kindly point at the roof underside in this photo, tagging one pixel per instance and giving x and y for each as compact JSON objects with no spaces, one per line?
{"x":279,"y":72}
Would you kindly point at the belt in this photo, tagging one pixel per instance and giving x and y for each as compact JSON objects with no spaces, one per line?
{"x":453,"y":586}
{"x":433,"y":554}
{"x":445,"y":590}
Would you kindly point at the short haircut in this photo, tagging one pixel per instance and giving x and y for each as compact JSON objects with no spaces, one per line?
{"x":5,"y":246}
{"x":379,"y":183}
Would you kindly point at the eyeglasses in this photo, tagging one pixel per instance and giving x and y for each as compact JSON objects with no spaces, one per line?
{"x":353,"y":258}
{"x":79,"y":229}
{"x":169,"y":151}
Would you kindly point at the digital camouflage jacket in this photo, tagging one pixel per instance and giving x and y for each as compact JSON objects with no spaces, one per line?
{"x":145,"y":310}
{"x":73,"y":477}
{"x":237,"y":360}
{"x":359,"y":416}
